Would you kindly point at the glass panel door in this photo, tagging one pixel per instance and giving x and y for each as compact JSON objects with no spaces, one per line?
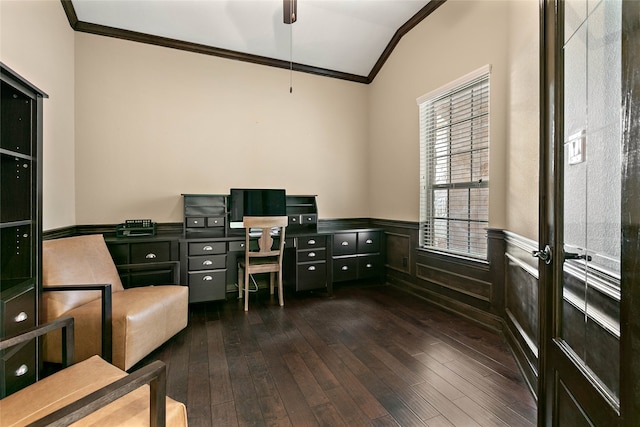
{"x":590,"y":312}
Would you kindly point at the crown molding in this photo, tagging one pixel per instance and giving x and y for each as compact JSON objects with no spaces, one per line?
{"x":134,"y":36}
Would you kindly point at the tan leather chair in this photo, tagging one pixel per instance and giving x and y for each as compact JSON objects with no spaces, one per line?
{"x":90,"y":393}
{"x":139,"y":320}
{"x":265,"y":259}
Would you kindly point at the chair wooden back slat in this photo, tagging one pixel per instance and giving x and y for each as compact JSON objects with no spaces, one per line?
{"x":265,"y":259}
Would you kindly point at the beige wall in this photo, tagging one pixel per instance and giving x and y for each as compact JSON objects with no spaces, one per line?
{"x":523,"y":119}
{"x":153,"y":123}
{"x":459,"y":37}
{"x":129,"y":127}
{"x":36,"y":41}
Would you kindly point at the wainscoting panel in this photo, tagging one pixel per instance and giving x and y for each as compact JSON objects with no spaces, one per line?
{"x":401,"y":239}
{"x":399,"y":251}
{"x":457,"y":282}
{"x":521,"y":304}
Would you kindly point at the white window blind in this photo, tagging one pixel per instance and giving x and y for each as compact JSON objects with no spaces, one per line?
{"x":454,"y":167}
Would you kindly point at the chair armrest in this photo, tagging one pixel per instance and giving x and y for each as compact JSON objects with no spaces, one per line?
{"x":107,"y":317}
{"x":173,"y":265}
{"x":64,"y":323}
{"x":153,"y":374}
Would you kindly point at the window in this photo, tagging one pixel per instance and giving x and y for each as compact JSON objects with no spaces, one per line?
{"x":454,"y":166}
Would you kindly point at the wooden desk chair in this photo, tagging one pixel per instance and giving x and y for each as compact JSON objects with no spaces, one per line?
{"x":265,"y":259}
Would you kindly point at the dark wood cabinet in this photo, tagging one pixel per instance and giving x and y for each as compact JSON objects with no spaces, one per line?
{"x":302,"y":211}
{"x":315,"y":257}
{"x":306,"y":262}
{"x":17,"y":307}
{"x":204,"y":248}
{"x":205,"y":215}
{"x":20,"y":223}
{"x":357,"y":255}
{"x":144,"y":261}
{"x":204,"y":266}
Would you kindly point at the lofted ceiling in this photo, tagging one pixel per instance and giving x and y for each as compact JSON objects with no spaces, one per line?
{"x":348,"y":39}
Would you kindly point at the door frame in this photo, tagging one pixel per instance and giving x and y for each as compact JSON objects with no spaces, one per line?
{"x":550,"y":214}
{"x":630,"y":259}
{"x":548,"y":111}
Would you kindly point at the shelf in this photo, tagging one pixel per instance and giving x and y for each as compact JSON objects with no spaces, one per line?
{"x":20,"y":213}
{"x":10,"y":224}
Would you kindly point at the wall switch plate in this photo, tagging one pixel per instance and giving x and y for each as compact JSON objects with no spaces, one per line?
{"x":576,"y":147}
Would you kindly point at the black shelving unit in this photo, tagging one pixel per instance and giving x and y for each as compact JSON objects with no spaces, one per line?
{"x":20,"y":223}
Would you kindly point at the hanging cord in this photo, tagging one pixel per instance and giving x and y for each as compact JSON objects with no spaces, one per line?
{"x":291,"y":58}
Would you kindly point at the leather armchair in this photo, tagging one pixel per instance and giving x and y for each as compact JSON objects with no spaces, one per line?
{"x":138,"y":321}
{"x":91,"y":392}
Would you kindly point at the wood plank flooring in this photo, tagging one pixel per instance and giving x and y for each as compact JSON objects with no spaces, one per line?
{"x":368,"y":356}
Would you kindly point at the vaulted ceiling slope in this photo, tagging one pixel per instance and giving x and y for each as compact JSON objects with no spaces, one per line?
{"x":345,"y":39}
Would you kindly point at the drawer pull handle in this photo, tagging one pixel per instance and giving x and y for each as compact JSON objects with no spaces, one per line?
{"x":207,"y":262}
{"x":21,"y":317}
{"x":345,"y":243}
{"x":369,"y":241}
{"x":242,"y":245}
{"x":311,"y":242}
{"x":312,"y":268}
{"x":369,"y":265}
{"x":215,"y":221}
{"x":207,"y":248}
{"x":312,"y":254}
{"x":344,"y":268}
{"x":207,"y":278}
{"x":23,"y":369}
{"x":150,"y":256}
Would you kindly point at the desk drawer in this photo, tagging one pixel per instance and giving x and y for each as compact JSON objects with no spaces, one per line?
{"x":206,"y":248}
{"x":209,"y":286}
{"x":369,"y":266}
{"x":344,"y":243}
{"x":312,"y":242}
{"x":195,"y":222}
{"x":19,"y":369}
{"x":150,"y":252}
{"x":345,"y":269}
{"x":312,"y":275}
{"x":294,"y":219}
{"x":236,"y":246}
{"x":309,"y":219}
{"x":18,"y":312}
{"x":312,"y":255}
{"x":207,"y":262}
{"x":216,"y":221}
{"x":368,"y":242}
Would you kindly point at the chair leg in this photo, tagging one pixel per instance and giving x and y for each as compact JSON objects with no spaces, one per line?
{"x":240,"y":281}
{"x":280,"y":292}
{"x":246,"y":289}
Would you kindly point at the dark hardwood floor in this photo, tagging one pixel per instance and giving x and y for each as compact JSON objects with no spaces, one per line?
{"x":369,"y":355}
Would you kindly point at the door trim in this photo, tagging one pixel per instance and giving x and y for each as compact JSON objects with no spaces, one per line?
{"x":551,"y":119}
{"x":630,"y":267}
{"x":549,"y":93}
